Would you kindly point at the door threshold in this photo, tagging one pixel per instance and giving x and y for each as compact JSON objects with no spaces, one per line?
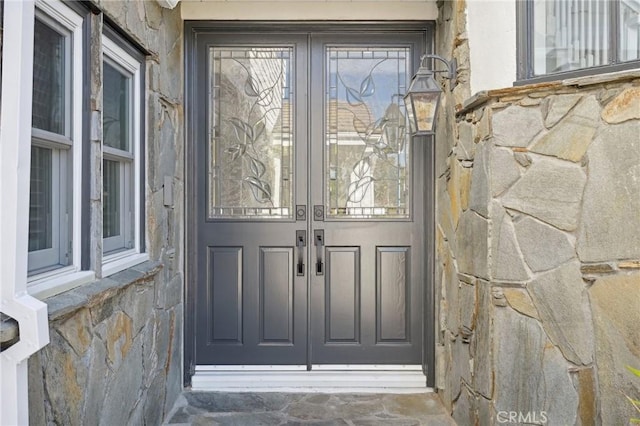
{"x":321,"y":379}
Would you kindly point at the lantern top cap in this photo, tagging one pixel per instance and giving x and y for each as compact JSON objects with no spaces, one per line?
{"x":423,"y":82}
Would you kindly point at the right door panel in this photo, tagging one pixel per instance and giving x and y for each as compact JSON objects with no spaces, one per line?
{"x":367,"y":302}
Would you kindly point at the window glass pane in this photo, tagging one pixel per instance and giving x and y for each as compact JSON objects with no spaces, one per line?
{"x":40,"y":199}
{"x":367,"y":147}
{"x":629,"y":42}
{"x":570,"y":34}
{"x":251,"y":124}
{"x":49,"y":109}
{"x":116,"y":119}
{"x":111,"y":199}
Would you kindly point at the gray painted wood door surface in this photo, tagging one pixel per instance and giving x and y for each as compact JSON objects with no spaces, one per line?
{"x":309,"y":200}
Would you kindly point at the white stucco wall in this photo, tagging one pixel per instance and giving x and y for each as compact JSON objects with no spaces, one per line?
{"x":491,"y":27}
{"x":309,"y":10}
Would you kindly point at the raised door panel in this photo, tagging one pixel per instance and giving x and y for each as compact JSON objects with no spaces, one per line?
{"x":393,"y":295}
{"x":224,"y":295}
{"x":342,"y":295}
{"x":276,"y":296}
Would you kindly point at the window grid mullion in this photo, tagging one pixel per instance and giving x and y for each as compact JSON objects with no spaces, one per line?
{"x":614,"y":31}
{"x":116,"y":154}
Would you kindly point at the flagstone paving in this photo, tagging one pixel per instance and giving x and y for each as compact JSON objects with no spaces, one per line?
{"x":247,"y":409}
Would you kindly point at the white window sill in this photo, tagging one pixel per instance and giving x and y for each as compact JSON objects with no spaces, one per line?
{"x":120,"y":261}
{"x":602,"y":78}
{"x":98,"y":291}
{"x":48,"y":284}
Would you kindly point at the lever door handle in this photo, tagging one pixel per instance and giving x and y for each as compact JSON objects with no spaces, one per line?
{"x":318,"y":238}
{"x":301,"y":243}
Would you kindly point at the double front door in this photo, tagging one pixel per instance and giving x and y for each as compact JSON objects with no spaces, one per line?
{"x":309,"y":200}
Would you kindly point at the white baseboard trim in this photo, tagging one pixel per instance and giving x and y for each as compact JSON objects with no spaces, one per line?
{"x":321,"y":379}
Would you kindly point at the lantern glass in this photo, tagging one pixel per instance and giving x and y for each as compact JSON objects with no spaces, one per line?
{"x":408,"y":104}
{"x":425,"y":106}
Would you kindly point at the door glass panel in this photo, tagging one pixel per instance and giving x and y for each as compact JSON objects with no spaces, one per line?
{"x":366,"y":142}
{"x":251,"y":143}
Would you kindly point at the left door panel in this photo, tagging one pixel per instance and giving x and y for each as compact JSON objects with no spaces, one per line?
{"x":251,"y":301}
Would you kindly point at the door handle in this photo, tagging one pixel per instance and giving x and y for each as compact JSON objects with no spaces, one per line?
{"x":318,"y":238}
{"x":301,"y":243}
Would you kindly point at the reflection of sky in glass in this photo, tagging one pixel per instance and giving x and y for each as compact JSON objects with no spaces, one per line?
{"x":388,"y":77}
{"x":286,"y":89}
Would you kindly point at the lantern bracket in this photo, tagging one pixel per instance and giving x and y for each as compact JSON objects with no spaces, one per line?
{"x":452,"y":68}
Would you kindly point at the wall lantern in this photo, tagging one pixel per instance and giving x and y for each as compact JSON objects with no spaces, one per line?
{"x":423,"y":97}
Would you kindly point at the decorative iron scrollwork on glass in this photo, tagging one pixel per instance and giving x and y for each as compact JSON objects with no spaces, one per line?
{"x":251,"y":122}
{"x":366,"y":138}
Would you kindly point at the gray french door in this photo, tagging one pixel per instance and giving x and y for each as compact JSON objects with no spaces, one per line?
{"x":309,"y":202}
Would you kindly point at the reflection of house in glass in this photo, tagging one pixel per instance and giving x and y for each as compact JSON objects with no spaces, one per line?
{"x":366,"y":161}
{"x":282,"y":143}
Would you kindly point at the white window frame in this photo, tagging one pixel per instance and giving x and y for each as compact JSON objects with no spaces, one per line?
{"x":114,"y":262}
{"x":62,"y":17}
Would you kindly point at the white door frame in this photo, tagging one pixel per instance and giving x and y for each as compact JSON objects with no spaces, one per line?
{"x":15,"y":157}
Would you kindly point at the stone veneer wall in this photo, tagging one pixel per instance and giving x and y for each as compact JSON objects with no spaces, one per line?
{"x":115,"y":355}
{"x":540,"y":251}
{"x":538,"y":247}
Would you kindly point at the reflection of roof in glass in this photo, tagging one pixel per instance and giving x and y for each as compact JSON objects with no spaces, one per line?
{"x":342,"y":117}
